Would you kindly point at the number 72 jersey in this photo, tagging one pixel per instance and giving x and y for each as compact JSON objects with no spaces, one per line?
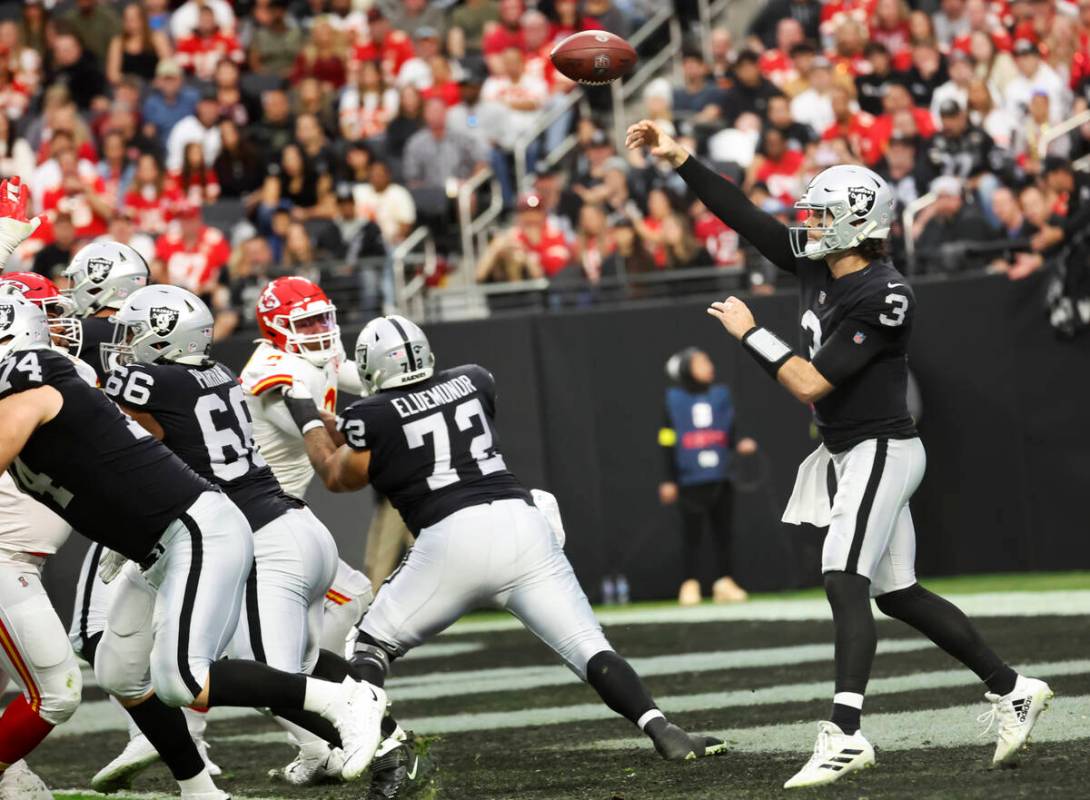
{"x":434,"y":447}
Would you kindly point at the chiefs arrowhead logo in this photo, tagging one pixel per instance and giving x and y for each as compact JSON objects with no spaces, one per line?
{"x":98,"y":269}
{"x":268,"y":301}
{"x":860,"y":200}
{"x":163,"y":320}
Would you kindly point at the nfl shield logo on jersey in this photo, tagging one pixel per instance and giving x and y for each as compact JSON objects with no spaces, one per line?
{"x":7,"y":316}
{"x":859,"y":337}
{"x":98,"y":269}
{"x":163,"y":320}
{"x":860,"y":199}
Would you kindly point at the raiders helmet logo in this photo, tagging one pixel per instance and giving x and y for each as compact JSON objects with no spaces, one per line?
{"x":163,"y":320}
{"x":7,"y":316}
{"x":98,"y":269}
{"x":860,"y":200}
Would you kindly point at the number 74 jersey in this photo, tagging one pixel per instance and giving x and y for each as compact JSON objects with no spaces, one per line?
{"x":434,"y":446}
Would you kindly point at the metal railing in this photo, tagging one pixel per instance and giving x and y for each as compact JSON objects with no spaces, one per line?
{"x":623,"y":89}
{"x":908,"y":219}
{"x":472,"y":227}
{"x":544,"y":120}
{"x":409,"y":293}
{"x":1051,"y":134}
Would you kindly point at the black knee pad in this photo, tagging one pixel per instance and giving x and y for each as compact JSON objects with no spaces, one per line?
{"x":893,"y":604}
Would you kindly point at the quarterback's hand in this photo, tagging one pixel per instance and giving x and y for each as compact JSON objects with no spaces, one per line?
{"x":668,"y":493}
{"x":110,"y":565}
{"x":15,"y":228}
{"x":646,"y":133}
{"x":735,"y":316}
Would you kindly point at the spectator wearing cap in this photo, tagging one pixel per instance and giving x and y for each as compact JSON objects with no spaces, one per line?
{"x":78,"y":70}
{"x":322,"y":57}
{"x":960,"y":148}
{"x":383,"y":43}
{"x":776,"y":63}
{"x":170,"y":100}
{"x":870,"y":86}
{"x":276,"y":43}
{"x":123,"y":230}
{"x":186,"y":18}
{"x":199,"y":52}
{"x":95,"y":23}
{"x":813,"y":106}
{"x":367,"y":104}
{"x":751,"y":90}
{"x":418,"y":69}
{"x":1034,"y":76}
{"x":136,"y":49}
{"x":807,"y":12}
{"x":531,"y":248}
{"x":948,"y":230}
{"x":202,"y":126}
{"x":951,"y":22}
{"x":467,"y":25}
{"x":698,"y":99}
{"x":412,"y":15}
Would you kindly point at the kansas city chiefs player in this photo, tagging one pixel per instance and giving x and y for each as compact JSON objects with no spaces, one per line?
{"x":301,"y":342}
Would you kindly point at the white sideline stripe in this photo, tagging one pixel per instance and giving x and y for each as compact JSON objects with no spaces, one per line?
{"x":101,"y":715}
{"x":509,"y":679}
{"x":955,"y":726}
{"x":992,"y":604}
{"x":790,"y":693}
{"x":441,"y":649}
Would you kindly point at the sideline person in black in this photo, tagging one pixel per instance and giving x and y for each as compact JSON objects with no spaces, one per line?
{"x":856,"y":321}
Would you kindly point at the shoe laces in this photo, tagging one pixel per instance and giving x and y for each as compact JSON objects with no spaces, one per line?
{"x":1001,"y":715}
{"x":821,"y":748}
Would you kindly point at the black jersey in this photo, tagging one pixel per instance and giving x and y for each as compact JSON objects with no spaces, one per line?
{"x":434,"y":446}
{"x":855,"y":329}
{"x":101,"y":472}
{"x":96,"y":332}
{"x":206,"y":422}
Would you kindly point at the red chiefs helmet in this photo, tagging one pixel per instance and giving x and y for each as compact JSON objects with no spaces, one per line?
{"x":38,"y":289}
{"x":297,"y":317}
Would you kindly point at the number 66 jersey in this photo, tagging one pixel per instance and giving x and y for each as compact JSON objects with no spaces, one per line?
{"x":856,"y":330}
{"x":434,"y":448}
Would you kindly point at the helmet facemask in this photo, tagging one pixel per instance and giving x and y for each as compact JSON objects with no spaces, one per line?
{"x":65,"y":330}
{"x":312,"y":333}
{"x":838,"y":230}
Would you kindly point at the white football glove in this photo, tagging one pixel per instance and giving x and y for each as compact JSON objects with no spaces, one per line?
{"x":110,"y":565}
{"x":547,"y":505}
{"x":15,"y":228}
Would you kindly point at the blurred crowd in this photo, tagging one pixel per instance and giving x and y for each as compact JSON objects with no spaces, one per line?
{"x":230,"y":142}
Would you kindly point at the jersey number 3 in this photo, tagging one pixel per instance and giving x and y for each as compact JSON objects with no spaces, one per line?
{"x":480,"y":447}
{"x":899,"y":304}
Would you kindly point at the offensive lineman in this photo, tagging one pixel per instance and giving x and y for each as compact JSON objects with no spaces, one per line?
{"x":427,"y":441}
{"x":127,"y":491}
{"x":858,"y":314}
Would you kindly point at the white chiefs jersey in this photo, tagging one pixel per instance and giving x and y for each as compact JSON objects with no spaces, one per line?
{"x":26,"y":526}
{"x":267,"y":373}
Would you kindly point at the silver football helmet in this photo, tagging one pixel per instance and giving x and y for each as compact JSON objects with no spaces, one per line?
{"x":160,"y":323}
{"x":103,"y":274}
{"x":854,"y":204}
{"x":392,"y":351}
{"x":23,"y":326}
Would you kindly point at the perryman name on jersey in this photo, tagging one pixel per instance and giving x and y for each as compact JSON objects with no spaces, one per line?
{"x":429,"y":399}
{"x":434,"y":445}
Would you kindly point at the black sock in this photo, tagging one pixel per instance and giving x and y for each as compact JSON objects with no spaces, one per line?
{"x":308,"y":720}
{"x":619,"y":686}
{"x":947,"y":626}
{"x":856,"y":641}
{"x":333,"y":667}
{"x":166,"y":729}
{"x":371,"y":661}
{"x":252,"y":685}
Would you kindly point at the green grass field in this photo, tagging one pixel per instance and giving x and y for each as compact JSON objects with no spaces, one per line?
{"x":508,"y":722}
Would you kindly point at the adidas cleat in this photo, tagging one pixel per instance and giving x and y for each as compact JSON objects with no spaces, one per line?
{"x":138,"y":755}
{"x":1015,"y":715}
{"x":835,"y":755}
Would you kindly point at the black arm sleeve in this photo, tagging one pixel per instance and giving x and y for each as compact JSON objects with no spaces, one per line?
{"x":731,"y":205}
{"x":852,"y":346}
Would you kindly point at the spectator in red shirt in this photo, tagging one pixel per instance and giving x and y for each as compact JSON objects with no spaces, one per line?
{"x":569,"y":20}
{"x":854,"y":126}
{"x":149,"y":196}
{"x":323,"y":57}
{"x":721,"y":242}
{"x":199,"y":52}
{"x":899,"y":100}
{"x":190,"y":254}
{"x":537,"y":45}
{"x":847,"y":54}
{"x":507,"y":32}
{"x":778,"y":167}
{"x":196,"y":181}
{"x":889,"y":27}
{"x":81,"y":196}
{"x":532,"y":248}
{"x":775,"y":63}
{"x":390,"y":47}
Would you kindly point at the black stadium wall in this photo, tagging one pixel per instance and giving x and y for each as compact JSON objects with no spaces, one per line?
{"x":1006,"y":423}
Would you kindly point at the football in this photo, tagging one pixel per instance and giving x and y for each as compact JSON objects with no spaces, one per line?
{"x":593,"y":58}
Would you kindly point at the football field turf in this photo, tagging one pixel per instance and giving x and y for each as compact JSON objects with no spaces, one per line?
{"x":504,"y":720}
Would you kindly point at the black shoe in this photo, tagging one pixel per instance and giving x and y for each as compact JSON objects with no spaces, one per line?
{"x":674,"y":744}
{"x":400,"y":771}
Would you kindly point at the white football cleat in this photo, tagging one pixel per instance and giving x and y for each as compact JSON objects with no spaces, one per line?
{"x":324,"y":765}
{"x":357,"y":716}
{"x":1015,"y":713}
{"x":835,"y":755}
{"x":20,"y":783}
{"x":203,"y":747}
{"x":216,"y":795}
{"x":138,"y":755}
